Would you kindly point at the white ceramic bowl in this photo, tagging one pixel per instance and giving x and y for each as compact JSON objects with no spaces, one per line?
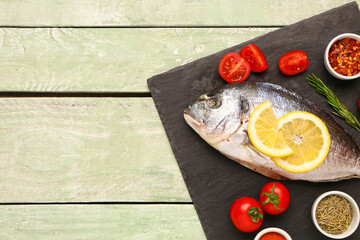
{"x":355,"y":220}
{"x":326,"y":53}
{"x":272,"y":229}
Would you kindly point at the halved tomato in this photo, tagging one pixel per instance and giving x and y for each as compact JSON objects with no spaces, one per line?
{"x":255,"y":57}
{"x":293,"y":62}
{"x":233,"y":68}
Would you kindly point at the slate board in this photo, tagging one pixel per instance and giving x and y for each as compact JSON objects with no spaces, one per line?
{"x":214,"y":181}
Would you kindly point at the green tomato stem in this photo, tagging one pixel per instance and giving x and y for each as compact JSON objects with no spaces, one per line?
{"x":272,"y":198}
{"x":255,"y":214}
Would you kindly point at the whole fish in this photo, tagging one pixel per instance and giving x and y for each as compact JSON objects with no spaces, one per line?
{"x":220,"y":117}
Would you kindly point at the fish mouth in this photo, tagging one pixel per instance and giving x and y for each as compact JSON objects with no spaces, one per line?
{"x":187,"y":111}
{"x":190,"y":119}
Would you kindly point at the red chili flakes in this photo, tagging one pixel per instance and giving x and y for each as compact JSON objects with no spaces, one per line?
{"x":344,"y":56}
{"x":272,"y":236}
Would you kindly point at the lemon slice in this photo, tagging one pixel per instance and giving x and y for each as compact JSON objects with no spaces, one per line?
{"x":263,"y":132}
{"x":308,"y":137}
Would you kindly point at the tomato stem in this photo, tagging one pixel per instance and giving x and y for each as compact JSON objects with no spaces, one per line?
{"x":272,"y":198}
{"x":255,"y":214}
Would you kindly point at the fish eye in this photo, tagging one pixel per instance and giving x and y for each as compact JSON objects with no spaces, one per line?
{"x":213,"y":103}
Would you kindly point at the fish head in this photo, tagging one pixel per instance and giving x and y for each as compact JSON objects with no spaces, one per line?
{"x":218,"y":114}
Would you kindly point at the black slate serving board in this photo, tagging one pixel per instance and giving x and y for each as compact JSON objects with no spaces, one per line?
{"x":214,"y":181}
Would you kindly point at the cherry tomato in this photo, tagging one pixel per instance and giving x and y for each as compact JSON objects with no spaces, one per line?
{"x":246,"y":214}
{"x":233,"y":68}
{"x":254,"y":56}
{"x":293,"y":62}
{"x":274,"y":198}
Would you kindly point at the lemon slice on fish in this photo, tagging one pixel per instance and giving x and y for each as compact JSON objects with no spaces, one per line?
{"x":263,"y":132}
{"x":308,"y":137}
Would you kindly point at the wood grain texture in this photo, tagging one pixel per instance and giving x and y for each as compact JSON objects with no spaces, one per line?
{"x":130,"y":222}
{"x":97,"y":60}
{"x":160,"y":13}
{"x":86,"y":149}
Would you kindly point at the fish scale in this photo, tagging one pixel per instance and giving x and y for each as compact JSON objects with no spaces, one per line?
{"x":224,"y":126}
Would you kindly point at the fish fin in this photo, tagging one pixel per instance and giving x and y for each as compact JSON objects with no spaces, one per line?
{"x":259,"y":169}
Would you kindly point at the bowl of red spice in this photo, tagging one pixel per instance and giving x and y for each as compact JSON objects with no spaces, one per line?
{"x":272,"y":233}
{"x":342,"y":56}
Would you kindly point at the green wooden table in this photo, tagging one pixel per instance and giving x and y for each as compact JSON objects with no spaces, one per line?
{"x":83,"y":152}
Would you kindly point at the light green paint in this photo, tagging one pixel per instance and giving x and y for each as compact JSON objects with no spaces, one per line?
{"x":127,"y":222}
{"x":86,"y":149}
{"x":160,"y":13}
{"x":58,"y":60}
{"x":106,"y":149}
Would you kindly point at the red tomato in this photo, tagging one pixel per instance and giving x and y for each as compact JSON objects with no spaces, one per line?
{"x":293,"y":62}
{"x":233,"y":68}
{"x":254,"y":56}
{"x":359,"y":103}
{"x":274,"y":198}
{"x":246,"y":214}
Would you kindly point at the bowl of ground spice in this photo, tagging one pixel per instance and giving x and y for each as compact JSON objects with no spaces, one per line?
{"x":335,"y":214}
{"x":272,"y":233}
{"x":342,"y":56}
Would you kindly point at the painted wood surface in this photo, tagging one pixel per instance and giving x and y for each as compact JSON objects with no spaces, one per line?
{"x":127,"y":222}
{"x":106,"y":150}
{"x":160,"y":13}
{"x":103,"y":60}
{"x":86,"y":150}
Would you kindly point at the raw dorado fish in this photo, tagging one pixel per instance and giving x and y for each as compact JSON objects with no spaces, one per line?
{"x":220,"y":117}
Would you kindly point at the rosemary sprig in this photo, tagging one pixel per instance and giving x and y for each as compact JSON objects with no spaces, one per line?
{"x":332,"y":99}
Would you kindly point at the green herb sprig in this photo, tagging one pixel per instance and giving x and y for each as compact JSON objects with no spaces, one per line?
{"x":333,"y":100}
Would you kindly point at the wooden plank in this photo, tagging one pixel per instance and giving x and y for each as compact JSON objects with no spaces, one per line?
{"x":111,"y":60}
{"x":130,"y":222}
{"x":86,"y":149}
{"x":160,"y":13}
